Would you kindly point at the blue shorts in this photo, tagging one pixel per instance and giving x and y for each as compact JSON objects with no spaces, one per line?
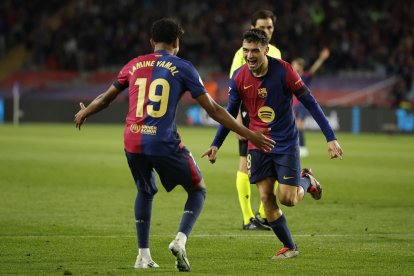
{"x":285,"y":168}
{"x":175,"y":169}
{"x":300,"y":111}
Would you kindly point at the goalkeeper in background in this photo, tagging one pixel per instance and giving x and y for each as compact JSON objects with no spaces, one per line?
{"x":264,"y":20}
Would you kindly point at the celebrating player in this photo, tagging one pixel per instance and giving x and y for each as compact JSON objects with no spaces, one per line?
{"x":264,"y":20}
{"x":266,"y":87}
{"x":156,"y":82}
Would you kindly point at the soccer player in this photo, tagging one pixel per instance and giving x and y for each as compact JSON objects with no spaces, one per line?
{"x":156,"y":82}
{"x":264,"y":20}
{"x":266,"y":87}
{"x":300,"y":111}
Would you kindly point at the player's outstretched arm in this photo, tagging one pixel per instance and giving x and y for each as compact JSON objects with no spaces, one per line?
{"x":323,"y":55}
{"x":219,"y":114}
{"x":334,"y":150}
{"x":100,"y":102}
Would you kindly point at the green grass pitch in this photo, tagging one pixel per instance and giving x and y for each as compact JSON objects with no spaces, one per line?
{"x":66,"y":207}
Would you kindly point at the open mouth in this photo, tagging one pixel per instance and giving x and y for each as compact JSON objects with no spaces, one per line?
{"x":251,"y":63}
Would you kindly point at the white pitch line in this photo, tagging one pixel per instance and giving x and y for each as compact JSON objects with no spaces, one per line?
{"x":220,"y":235}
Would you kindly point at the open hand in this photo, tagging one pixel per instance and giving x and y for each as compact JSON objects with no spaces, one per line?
{"x":261,"y":141}
{"x":334,"y":150}
{"x":80,"y":116}
{"x":211,"y":153}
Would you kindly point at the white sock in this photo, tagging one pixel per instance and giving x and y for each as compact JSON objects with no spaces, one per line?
{"x":181,"y":238}
{"x":144,"y":253}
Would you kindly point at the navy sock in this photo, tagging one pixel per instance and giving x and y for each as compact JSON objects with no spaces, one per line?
{"x":304,"y":182}
{"x":143,"y":207}
{"x":192,"y":209}
{"x":301,"y":138}
{"x":281,"y":230}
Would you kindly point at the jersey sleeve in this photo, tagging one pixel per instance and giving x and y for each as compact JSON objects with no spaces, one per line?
{"x":233,"y":107}
{"x":193,"y":82}
{"x":238,"y":61}
{"x":293,"y":81}
{"x":122,"y":80}
{"x":316,"y":111}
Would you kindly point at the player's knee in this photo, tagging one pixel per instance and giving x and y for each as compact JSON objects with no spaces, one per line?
{"x":268,"y":197}
{"x":288,"y":201}
{"x":203,"y":192}
{"x":199,"y":191}
{"x":148,"y":195}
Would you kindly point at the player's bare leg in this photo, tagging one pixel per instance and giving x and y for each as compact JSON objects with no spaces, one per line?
{"x":291,"y":195}
{"x":277,"y":220}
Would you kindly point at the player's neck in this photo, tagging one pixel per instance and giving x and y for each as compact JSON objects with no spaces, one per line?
{"x":262,"y":70}
{"x":164,"y":47}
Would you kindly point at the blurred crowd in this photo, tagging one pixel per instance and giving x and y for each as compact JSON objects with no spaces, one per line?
{"x":367,"y":36}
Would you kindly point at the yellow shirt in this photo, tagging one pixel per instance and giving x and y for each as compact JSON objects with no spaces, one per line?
{"x":238,"y":59}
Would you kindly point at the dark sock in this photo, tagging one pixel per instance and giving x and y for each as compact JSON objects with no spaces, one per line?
{"x":301,"y":138}
{"x":192,"y":209}
{"x":304,"y":182}
{"x":281,"y":230}
{"x":143,"y":207}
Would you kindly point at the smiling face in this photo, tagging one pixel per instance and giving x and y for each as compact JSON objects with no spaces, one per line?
{"x":254,"y":54}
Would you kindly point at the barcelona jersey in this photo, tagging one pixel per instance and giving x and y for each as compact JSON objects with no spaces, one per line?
{"x":156,"y":83}
{"x":268,"y":100}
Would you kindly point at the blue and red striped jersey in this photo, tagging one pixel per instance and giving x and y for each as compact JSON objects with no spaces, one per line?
{"x":268,"y":100}
{"x":156,"y":83}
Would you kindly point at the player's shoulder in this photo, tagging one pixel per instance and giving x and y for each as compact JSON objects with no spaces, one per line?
{"x":280,"y":62}
{"x":138,"y":59}
{"x":241,"y":71}
{"x":180,"y":62}
{"x":239,"y":52}
{"x":274,"y":52}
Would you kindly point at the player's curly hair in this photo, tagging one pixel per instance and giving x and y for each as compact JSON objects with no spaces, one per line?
{"x":257,"y":36}
{"x":166,"y":30}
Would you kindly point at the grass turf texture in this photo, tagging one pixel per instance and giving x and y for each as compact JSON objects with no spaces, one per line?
{"x":66,"y":207}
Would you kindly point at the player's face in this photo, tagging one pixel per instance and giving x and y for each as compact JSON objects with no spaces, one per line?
{"x":265,"y":24}
{"x":255,"y":55}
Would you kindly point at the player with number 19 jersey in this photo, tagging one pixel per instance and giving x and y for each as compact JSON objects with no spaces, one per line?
{"x":156,"y":83}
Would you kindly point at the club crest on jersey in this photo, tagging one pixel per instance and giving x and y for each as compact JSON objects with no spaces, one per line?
{"x":266,"y":114}
{"x":134,"y":128}
{"x":262,"y":92}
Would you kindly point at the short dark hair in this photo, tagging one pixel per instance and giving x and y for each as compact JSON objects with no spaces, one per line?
{"x":263,"y":14}
{"x":166,"y":30}
{"x":257,"y":36}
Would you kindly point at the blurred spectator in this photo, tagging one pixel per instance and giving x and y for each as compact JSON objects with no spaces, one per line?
{"x":366,"y":36}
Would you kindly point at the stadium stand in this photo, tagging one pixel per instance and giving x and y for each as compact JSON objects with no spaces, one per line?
{"x":45,"y":44}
